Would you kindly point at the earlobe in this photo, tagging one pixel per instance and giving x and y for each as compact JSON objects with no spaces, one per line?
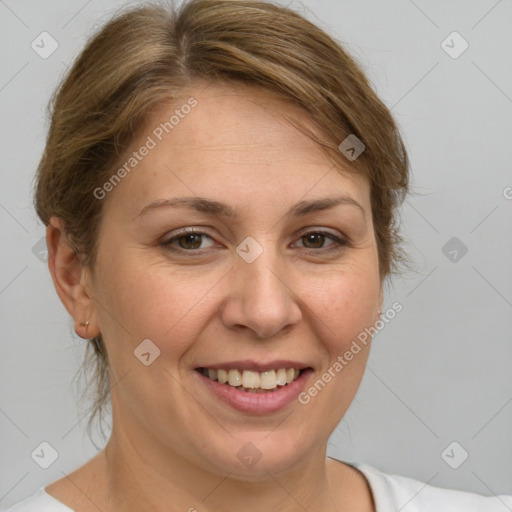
{"x":67,"y":273}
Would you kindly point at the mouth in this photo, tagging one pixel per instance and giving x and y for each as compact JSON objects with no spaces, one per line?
{"x":254,"y":388}
{"x":251,"y":381}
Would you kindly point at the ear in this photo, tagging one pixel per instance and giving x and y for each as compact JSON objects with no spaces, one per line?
{"x":70,"y":279}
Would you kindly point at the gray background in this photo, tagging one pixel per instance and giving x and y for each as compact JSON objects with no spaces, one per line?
{"x":439,"y":372}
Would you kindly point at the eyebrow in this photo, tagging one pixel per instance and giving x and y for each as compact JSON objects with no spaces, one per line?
{"x":210,"y":207}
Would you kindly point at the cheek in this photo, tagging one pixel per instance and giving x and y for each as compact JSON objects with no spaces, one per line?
{"x":148,"y":300}
{"x":343,"y":308}
{"x":345,"y":304}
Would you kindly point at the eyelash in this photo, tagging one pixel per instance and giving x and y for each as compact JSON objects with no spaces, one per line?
{"x":338,"y":242}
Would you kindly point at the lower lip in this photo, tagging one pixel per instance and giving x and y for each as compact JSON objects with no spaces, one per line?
{"x":257,"y":403}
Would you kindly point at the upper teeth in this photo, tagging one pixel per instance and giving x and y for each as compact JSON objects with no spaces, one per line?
{"x":253,"y":380}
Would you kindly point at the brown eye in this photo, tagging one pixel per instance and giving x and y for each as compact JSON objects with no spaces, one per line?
{"x":191,"y":241}
{"x":317,"y":239}
{"x":313,"y":240}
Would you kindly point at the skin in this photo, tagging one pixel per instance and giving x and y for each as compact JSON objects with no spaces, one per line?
{"x":173,"y":445}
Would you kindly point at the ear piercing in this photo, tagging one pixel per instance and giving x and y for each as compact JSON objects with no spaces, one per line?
{"x":84,"y":324}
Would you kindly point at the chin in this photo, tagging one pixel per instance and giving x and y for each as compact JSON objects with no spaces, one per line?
{"x":251,"y":456}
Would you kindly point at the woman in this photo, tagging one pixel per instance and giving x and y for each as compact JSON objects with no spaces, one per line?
{"x":219,"y":187}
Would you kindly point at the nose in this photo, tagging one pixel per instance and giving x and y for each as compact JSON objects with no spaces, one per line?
{"x":260,"y":297}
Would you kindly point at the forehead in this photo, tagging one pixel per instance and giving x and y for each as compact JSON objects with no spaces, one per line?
{"x":235,"y":140}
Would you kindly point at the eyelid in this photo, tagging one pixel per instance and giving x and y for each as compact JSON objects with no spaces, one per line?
{"x":319,"y":229}
{"x":189,"y":230}
{"x":338,"y":239}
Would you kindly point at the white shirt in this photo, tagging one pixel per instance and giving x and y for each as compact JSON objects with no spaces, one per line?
{"x":391,"y":493}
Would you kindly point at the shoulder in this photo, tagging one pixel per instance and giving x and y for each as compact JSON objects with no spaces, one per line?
{"x":399,"y":493}
{"x":40,"y":501}
{"x":62,"y":496}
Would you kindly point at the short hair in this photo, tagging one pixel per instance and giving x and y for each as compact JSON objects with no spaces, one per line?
{"x":148,"y":56}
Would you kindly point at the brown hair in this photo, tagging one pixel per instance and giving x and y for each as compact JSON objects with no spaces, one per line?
{"x":149,"y":55}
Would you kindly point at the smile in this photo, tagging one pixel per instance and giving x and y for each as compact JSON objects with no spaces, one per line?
{"x":252,"y":381}
{"x":251,"y":391}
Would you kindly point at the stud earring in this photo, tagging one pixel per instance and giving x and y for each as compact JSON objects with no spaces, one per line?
{"x":84,"y":324}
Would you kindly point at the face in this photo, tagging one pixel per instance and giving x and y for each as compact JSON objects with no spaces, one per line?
{"x":267,"y":269}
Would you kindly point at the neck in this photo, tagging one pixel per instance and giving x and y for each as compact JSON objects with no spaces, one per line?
{"x":146,"y":476}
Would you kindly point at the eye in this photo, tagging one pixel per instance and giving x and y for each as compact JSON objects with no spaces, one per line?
{"x":192,"y":240}
{"x":316,"y":240}
{"x":189,"y":239}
